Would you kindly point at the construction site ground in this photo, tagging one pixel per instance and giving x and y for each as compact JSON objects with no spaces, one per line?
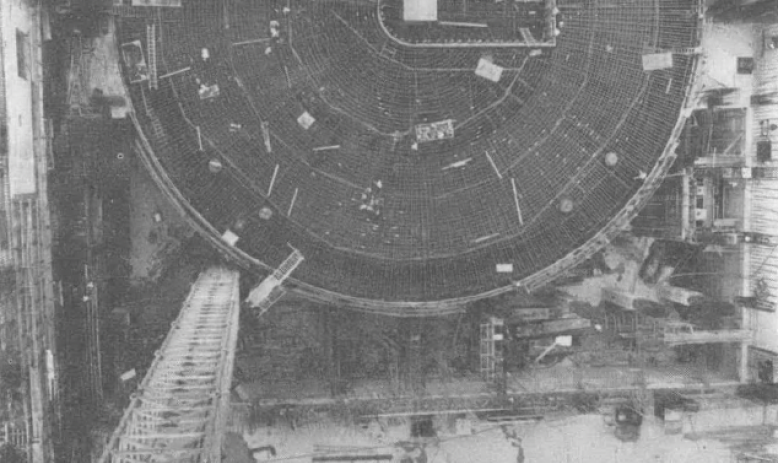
{"x":581,"y":438}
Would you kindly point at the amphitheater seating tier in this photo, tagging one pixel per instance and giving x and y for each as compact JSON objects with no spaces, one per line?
{"x":379,"y":215}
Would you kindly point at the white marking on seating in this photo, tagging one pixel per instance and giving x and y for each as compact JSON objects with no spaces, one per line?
{"x":272,"y":180}
{"x":461,"y":24}
{"x":461,"y":163}
{"x":199,"y":138}
{"x":504,"y":268}
{"x":266,"y":136}
{"x":485,"y":238}
{"x":173,"y":73}
{"x":326,"y":148}
{"x":230,"y":238}
{"x":415,"y":10}
{"x":494,"y":166}
{"x":249,"y":42}
{"x":488,"y":70}
{"x":657,"y":61}
{"x":128,"y":375}
{"x":291,"y":205}
{"x":516,"y":198}
{"x":305,"y":120}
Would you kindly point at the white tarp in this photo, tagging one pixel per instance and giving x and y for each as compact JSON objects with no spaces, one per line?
{"x":488,"y":70}
{"x":657,"y":61}
{"x":504,"y":268}
{"x":306,"y":120}
{"x":230,"y":237}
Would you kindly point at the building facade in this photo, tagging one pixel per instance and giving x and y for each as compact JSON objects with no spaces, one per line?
{"x":28,"y":420}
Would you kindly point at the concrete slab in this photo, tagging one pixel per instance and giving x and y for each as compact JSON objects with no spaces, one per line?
{"x":722,"y":45}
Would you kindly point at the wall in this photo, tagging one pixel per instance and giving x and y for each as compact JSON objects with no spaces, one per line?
{"x":766,"y":83}
{"x":16,"y":14}
{"x":762,"y":197}
{"x":722,"y":45}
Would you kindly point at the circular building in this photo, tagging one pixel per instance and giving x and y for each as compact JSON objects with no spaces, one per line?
{"x":416,"y":165}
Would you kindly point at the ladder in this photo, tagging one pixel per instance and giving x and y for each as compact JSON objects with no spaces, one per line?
{"x":687,"y":51}
{"x":269,"y":291}
{"x":288,"y":266}
{"x":151,"y":42}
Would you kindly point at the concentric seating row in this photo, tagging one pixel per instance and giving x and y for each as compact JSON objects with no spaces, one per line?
{"x":336,"y":102}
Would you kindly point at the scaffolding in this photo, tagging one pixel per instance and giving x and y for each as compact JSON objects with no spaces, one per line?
{"x":491,"y":340}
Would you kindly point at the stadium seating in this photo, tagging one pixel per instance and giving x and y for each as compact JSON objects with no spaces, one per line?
{"x":340,"y":100}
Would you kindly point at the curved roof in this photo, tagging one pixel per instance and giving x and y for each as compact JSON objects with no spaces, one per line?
{"x":312,"y":114}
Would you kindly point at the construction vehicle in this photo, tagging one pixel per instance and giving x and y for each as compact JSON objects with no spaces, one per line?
{"x":628,"y":421}
{"x":180,"y":410}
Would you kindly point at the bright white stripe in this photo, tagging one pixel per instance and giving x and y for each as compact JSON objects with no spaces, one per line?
{"x":485,"y":238}
{"x":173,"y":73}
{"x":461,"y":163}
{"x":494,"y":166}
{"x":326,"y":148}
{"x":516,"y":198}
{"x":294,"y":198}
{"x":462,"y":24}
{"x":266,"y":136}
{"x":249,"y":42}
{"x":272,"y":180}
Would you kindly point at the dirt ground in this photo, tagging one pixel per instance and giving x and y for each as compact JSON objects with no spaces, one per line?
{"x":156,"y":228}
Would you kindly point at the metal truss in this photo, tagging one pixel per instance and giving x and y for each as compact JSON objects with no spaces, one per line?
{"x":180,"y":410}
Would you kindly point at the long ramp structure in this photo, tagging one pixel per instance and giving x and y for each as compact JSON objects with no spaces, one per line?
{"x":181,"y":407}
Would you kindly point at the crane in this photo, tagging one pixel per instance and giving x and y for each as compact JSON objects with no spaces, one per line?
{"x":180,"y":410}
